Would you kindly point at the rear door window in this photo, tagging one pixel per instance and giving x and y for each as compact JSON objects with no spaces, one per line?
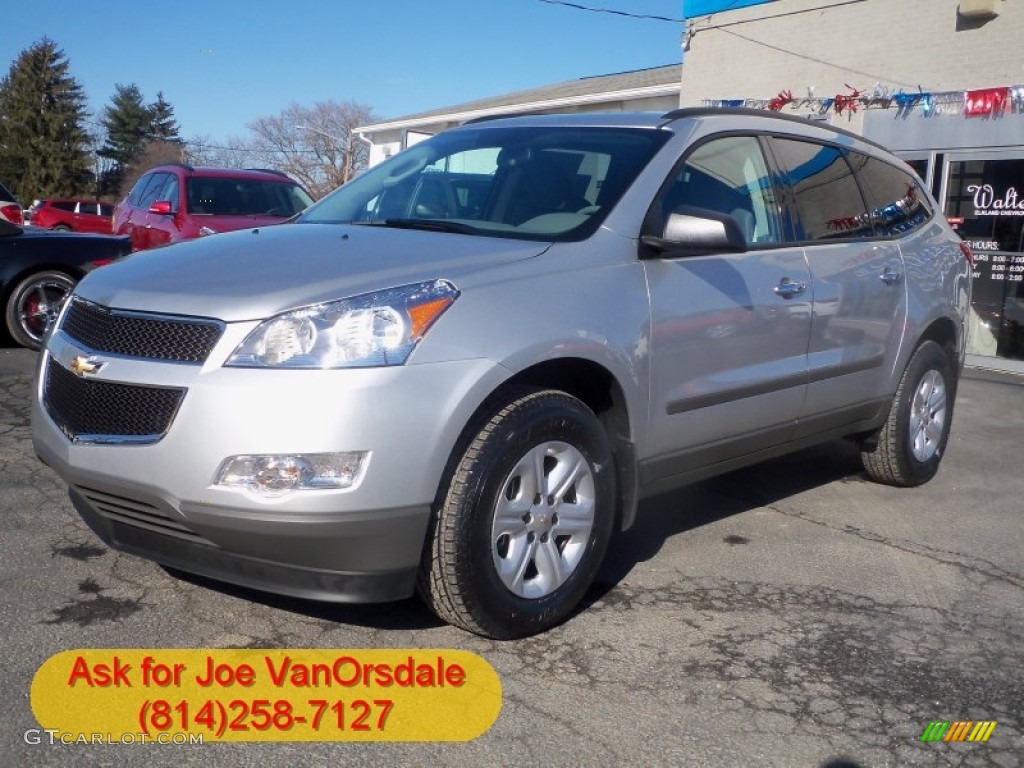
{"x":828,"y":200}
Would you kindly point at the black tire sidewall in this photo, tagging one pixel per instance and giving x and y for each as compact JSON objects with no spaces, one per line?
{"x":17,"y":296}
{"x":928,"y":357}
{"x":550,"y":417}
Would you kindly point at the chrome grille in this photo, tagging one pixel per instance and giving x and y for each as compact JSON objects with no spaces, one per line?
{"x":140,"y":514}
{"x":136,"y":334}
{"x":86,"y":409}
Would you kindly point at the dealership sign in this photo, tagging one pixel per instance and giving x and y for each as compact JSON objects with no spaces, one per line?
{"x":988,"y":203}
{"x":693,"y":8}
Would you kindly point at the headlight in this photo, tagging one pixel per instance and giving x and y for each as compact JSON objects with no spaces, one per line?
{"x":374,"y":329}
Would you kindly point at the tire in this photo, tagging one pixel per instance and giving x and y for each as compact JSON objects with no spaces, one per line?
{"x":509,"y":555}
{"x":913,"y":439}
{"x":34,"y":304}
{"x":62,"y":228}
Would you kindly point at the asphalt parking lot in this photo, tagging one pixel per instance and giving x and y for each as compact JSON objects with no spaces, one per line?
{"x":791,"y":614}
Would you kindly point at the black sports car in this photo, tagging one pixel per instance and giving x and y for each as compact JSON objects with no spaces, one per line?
{"x":39,"y":268}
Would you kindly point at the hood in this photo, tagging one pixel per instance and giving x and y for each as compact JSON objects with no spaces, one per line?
{"x":253,"y":274}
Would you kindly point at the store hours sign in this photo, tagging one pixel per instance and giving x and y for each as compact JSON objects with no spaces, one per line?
{"x":997,"y":266}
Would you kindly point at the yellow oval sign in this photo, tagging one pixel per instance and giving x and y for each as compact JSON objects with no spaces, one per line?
{"x":138,"y":695}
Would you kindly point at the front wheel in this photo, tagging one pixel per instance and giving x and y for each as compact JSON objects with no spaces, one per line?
{"x":913,"y":439}
{"x":525,"y":520}
{"x":34,"y":304}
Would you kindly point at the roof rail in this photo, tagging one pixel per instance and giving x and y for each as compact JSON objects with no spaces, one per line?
{"x":269,"y":170}
{"x":503,"y":115}
{"x":186,"y":166}
{"x":679,"y":114}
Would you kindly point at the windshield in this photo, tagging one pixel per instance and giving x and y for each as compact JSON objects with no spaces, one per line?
{"x":524,"y":182}
{"x":225,"y":196}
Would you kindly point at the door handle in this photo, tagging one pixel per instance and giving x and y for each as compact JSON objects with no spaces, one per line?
{"x":788,"y":288}
{"x":891,"y":276}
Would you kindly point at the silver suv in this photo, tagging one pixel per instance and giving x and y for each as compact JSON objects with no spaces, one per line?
{"x":460,"y":372}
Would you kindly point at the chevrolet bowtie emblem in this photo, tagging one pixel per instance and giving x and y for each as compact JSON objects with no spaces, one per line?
{"x":83,"y":366}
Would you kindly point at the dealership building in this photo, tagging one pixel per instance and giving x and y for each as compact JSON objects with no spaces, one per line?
{"x":939,"y":82}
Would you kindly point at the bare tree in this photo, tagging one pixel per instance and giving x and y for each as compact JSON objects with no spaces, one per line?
{"x":103,"y":167}
{"x":234,"y":152}
{"x":156,"y":152}
{"x":315,"y":145}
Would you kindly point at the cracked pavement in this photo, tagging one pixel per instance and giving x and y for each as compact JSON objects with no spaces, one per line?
{"x":790,"y":614}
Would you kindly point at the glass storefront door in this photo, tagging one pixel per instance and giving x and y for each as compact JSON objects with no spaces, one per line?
{"x":984,"y":200}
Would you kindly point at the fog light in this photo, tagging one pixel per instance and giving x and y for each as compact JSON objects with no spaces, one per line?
{"x":277,"y":474}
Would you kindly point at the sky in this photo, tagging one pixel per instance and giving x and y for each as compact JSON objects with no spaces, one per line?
{"x":222,"y":64}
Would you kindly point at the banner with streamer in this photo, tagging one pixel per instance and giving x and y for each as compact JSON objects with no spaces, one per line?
{"x":983,"y":102}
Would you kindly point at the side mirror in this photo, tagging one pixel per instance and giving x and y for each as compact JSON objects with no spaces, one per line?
{"x":692,"y":231}
{"x":163,"y":207}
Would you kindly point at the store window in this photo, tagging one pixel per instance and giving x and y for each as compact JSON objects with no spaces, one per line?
{"x":920,"y":167}
{"x":986,"y":204}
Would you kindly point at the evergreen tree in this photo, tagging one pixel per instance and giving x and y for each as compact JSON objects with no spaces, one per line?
{"x":43,"y":144}
{"x":162,"y":125}
{"x":127,"y":122}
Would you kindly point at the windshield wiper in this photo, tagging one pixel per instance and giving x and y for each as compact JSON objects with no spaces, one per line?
{"x":433,"y":225}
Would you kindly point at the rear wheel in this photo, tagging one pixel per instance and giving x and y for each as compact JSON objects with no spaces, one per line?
{"x":913,"y":439}
{"x":525,"y":520}
{"x":62,"y":228}
{"x":34,"y":304}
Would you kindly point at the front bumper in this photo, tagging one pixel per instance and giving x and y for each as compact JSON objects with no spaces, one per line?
{"x":327,"y":542}
{"x":356,"y":545}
